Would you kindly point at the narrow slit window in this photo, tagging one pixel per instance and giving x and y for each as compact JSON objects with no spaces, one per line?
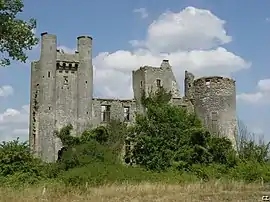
{"x":127,"y":113}
{"x":214,"y":119}
{"x":49,"y":74}
{"x":34,"y":141}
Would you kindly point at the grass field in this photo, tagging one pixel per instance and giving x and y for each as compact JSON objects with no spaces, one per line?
{"x":210,"y":191}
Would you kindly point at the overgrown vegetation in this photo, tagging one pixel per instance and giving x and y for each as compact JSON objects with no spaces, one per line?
{"x":165,"y":144}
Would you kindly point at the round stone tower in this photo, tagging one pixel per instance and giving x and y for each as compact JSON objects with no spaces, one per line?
{"x":215,"y":105}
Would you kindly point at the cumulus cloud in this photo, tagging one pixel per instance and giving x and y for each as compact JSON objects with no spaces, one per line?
{"x":6,"y":91}
{"x":188,"y":29}
{"x":14,"y":123}
{"x":261,"y":96}
{"x":142,"y":11}
{"x":191,"y":39}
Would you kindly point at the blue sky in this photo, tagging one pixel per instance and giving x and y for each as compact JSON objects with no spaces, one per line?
{"x":234,"y":41}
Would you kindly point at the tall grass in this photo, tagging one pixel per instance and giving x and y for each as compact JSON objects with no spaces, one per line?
{"x":210,"y":191}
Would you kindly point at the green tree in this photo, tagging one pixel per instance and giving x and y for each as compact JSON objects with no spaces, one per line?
{"x":16,"y":35}
{"x":167,"y":135}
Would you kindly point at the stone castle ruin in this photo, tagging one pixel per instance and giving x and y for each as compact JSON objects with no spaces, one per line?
{"x":62,"y":93}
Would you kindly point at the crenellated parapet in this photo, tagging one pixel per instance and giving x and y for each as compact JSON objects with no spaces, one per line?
{"x":67,"y":66}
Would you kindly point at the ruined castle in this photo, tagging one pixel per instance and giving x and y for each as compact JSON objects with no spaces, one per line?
{"x":62,"y":93}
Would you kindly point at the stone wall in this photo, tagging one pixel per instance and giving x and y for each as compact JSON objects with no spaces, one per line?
{"x":148,"y":79}
{"x":117,"y":110}
{"x":215,"y":104}
{"x":34,"y":140}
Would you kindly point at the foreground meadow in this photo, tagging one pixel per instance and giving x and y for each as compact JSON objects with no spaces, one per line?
{"x":209,"y":191}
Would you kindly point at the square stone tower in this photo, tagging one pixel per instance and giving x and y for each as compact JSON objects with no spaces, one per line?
{"x":148,"y":79}
{"x":61,"y":94}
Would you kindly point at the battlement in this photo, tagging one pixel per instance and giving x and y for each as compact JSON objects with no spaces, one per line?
{"x":84,"y":36}
{"x":165,"y":64}
{"x":67,"y":66}
{"x":62,"y":56}
{"x":213,"y":79}
{"x":67,"y":57}
{"x":114,"y":100}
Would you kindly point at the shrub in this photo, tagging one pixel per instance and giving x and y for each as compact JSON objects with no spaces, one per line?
{"x":168,"y":135}
{"x":251,"y":171}
{"x":18,"y":165}
{"x":87,"y":153}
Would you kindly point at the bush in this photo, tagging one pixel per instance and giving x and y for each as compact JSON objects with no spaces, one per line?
{"x":17,"y":165}
{"x":87,"y":153}
{"x":251,"y":171}
{"x":168,"y":135}
{"x":98,"y":174}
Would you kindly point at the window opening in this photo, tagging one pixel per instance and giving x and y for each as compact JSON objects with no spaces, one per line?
{"x":127,"y":113}
{"x":105,"y":113}
{"x":214,"y":119}
{"x":207,"y":82}
{"x":158,"y":83}
{"x":65,"y":80}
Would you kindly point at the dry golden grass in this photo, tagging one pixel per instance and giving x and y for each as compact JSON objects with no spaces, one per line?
{"x":210,"y":191}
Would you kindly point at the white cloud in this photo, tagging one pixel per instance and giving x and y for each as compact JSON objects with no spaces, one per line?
{"x":6,"y":91}
{"x":261,"y":96}
{"x":188,"y":29}
{"x":191,"y":39}
{"x":14,"y":123}
{"x":264,"y":85}
{"x":142,"y":11}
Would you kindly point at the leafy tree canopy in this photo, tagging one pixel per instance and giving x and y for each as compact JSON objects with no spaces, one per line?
{"x":168,"y":135}
{"x":16,"y":35}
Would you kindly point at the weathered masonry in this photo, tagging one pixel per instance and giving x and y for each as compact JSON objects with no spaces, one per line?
{"x":62,"y":93}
